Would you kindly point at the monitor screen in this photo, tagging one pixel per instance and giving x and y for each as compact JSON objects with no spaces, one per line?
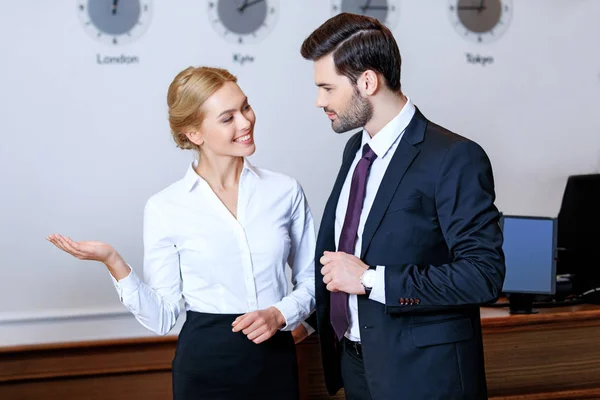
{"x":530,"y":252}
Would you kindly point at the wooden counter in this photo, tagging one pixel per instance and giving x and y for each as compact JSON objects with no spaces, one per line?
{"x":547,"y":356}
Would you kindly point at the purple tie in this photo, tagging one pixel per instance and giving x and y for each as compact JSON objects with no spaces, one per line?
{"x":340,"y":315}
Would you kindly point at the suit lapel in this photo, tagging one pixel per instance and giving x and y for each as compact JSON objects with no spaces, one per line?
{"x":404,"y":155}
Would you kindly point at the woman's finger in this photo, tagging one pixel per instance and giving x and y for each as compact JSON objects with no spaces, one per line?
{"x":265,"y":336}
{"x":70,"y":249}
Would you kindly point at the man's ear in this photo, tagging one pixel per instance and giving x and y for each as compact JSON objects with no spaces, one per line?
{"x":368,"y":82}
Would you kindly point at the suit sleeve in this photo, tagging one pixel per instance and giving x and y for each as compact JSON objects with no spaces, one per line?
{"x":469,"y":220}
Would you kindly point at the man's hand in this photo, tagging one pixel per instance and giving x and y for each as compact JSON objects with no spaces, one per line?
{"x":259,"y":325}
{"x":341,"y":272}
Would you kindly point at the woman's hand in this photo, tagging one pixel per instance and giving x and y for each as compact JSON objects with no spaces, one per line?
{"x":93,"y":250}
{"x":259,"y":325}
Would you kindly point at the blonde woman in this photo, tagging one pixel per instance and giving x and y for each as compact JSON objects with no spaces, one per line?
{"x":220,"y":239}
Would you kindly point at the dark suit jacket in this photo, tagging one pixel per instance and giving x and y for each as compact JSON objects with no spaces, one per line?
{"x":434,"y":226}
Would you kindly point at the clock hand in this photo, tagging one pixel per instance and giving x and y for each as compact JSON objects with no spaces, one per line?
{"x":374,"y":8}
{"x":476,"y":8}
{"x":114,"y":6}
{"x":246,"y":5}
{"x":366,"y":6}
{"x":481,"y":6}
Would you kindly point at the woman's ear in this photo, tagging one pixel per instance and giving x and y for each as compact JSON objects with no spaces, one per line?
{"x":195,"y":136}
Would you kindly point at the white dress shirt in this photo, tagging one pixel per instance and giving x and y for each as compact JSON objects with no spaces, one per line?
{"x":195,"y":249}
{"x":384,"y":144}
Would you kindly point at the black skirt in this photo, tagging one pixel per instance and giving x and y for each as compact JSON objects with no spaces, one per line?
{"x":212,"y":362}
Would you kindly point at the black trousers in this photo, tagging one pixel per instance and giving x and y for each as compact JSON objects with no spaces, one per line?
{"x":213,"y":363}
{"x":353,"y":372}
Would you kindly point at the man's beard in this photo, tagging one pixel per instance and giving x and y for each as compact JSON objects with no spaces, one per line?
{"x":356,"y":114}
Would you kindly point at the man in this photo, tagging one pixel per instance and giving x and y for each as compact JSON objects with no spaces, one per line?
{"x":409,"y":244}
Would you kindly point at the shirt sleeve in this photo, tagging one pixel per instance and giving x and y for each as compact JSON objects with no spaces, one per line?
{"x":300,"y":303}
{"x":155,"y":303}
{"x":378,"y":289}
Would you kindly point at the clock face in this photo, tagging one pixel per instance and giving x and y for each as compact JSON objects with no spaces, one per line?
{"x":386,"y":11}
{"x":115,"y":22}
{"x":480,"y":21}
{"x":243,"y":21}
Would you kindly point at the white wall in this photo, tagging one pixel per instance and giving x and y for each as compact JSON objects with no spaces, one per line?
{"x":85,"y":144}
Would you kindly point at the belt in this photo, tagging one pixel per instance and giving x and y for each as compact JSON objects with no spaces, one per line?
{"x":351,"y":345}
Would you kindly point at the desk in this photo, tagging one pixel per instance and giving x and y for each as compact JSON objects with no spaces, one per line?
{"x":547,"y":356}
{"x":552,"y":355}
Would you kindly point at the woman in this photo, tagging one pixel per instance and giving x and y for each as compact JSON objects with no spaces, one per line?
{"x":220,"y":239}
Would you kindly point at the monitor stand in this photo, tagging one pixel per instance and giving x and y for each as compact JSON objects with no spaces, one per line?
{"x":521,"y":303}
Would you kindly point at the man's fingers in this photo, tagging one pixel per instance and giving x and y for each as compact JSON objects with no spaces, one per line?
{"x":326,"y":269}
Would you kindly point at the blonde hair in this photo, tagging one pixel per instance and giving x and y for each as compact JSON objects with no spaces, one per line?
{"x":188,"y":91}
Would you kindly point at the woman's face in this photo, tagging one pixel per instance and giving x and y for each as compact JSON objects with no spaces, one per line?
{"x":227,"y":128}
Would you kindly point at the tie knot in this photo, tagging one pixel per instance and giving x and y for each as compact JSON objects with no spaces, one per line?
{"x":368,"y":153}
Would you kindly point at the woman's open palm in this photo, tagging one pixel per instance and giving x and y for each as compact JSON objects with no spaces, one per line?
{"x":84,"y":250}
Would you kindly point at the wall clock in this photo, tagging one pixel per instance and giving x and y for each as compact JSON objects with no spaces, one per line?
{"x":480,"y":21}
{"x":243,"y":21}
{"x":386,"y":11}
{"x":115,"y":22}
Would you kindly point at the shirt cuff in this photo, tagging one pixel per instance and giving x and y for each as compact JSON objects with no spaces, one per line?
{"x":309,"y":329}
{"x":127,"y":285}
{"x":288,"y":309}
{"x":378,"y":290}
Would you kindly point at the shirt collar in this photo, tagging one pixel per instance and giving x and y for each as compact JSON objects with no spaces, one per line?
{"x":387,"y":136}
{"x":192,"y":178}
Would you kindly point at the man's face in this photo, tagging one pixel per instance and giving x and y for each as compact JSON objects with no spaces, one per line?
{"x":340,"y":98}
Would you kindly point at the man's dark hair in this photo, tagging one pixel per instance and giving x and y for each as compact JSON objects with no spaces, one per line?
{"x":358,"y":43}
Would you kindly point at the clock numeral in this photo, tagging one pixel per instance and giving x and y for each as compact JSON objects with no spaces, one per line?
{"x":273,"y":10}
{"x":479,"y":39}
{"x":145,"y":7}
{"x":240,"y":40}
{"x":81,"y":7}
{"x":211,"y":4}
{"x":115,"y":41}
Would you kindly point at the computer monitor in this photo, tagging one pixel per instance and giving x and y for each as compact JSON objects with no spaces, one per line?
{"x":579,"y":232}
{"x":530,"y":253}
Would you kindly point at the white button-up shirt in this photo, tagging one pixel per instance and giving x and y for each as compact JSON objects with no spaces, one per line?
{"x":195,"y":249}
{"x":384,"y":144}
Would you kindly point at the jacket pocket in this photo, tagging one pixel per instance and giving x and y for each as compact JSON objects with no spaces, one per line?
{"x":443,"y":332}
{"x":404,"y":203}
